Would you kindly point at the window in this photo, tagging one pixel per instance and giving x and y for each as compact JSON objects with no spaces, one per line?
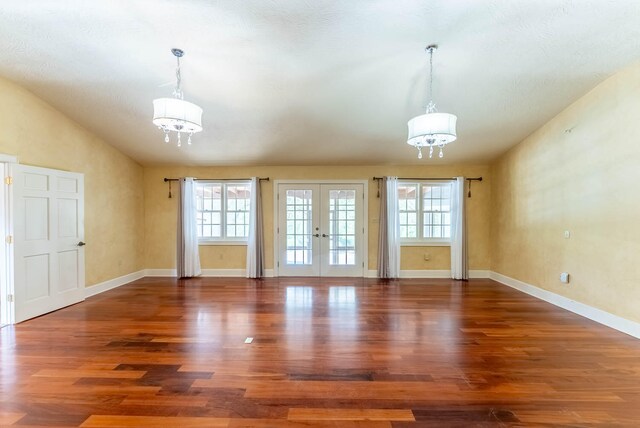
{"x":425,"y":212}
{"x":223,"y":211}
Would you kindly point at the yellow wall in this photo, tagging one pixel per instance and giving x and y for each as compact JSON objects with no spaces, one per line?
{"x":160,"y":213}
{"x":580,"y":172}
{"x":40,"y":135}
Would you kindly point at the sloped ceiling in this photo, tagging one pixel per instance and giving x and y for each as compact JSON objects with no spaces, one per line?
{"x":315,"y":82}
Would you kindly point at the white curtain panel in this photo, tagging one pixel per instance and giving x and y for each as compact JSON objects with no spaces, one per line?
{"x":187,"y":251}
{"x":255,"y":242}
{"x":459,"y":249}
{"x":389,"y":233}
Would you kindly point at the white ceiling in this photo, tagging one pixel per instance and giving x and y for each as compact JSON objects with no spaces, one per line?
{"x":315,"y":81}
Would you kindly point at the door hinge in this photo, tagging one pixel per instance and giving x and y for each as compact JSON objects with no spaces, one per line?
{"x":9,"y":239}
{"x":10,"y":298}
{"x":8,"y":180}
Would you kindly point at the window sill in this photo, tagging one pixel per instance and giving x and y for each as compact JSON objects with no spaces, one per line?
{"x":426,"y":244}
{"x":222,"y":243}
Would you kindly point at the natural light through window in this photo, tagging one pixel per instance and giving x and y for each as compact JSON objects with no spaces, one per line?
{"x":223,"y":211}
{"x":425,"y":212}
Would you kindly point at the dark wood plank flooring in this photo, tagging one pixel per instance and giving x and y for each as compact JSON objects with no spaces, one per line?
{"x":326,"y":352}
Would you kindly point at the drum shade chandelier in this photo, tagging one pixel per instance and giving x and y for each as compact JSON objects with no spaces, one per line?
{"x":175,"y":114}
{"x":432,"y":129}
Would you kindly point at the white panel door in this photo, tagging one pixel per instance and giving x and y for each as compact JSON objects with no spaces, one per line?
{"x":48,"y":236}
{"x":320,"y":230}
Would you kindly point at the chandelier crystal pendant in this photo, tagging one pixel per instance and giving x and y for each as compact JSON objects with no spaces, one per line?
{"x":175,"y":114}
{"x":432,"y":129}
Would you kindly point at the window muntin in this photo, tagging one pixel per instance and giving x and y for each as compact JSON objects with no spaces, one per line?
{"x":299,"y":210}
{"x":425,"y":212}
{"x":223,"y":211}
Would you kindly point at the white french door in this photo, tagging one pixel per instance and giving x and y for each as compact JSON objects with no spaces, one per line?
{"x":320,"y":229}
{"x":49,"y":230}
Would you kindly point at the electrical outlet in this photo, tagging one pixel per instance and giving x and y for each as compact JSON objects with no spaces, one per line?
{"x":564,"y":277}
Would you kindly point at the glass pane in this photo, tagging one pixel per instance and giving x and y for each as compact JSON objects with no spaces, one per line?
{"x":436,"y":204}
{"x":237,"y":210}
{"x":446,"y":218}
{"x":342,"y":228}
{"x":426,"y":204}
{"x":299,"y":227}
{"x":206,"y":195}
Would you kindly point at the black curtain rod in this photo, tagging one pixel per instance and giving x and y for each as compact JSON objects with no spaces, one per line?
{"x":218,"y":179}
{"x":379,"y":180}
{"x":432,"y":178}
{"x":169,"y":180}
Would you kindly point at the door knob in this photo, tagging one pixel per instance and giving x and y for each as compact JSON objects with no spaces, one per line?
{"x":81,"y":244}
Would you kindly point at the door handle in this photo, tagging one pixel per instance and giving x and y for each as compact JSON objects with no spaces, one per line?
{"x":81,"y":244}
{"x":316,"y":235}
{"x":324,"y":235}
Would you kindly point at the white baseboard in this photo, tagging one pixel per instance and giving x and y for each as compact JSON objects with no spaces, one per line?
{"x":479,"y":274}
{"x":113,"y":283}
{"x":239,"y":273}
{"x":160,"y":272}
{"x":425,"y":274}
{"x":476,"y":273}
{"x":598,"y":315}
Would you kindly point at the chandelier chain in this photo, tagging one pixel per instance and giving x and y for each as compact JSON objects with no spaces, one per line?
{"x":178,"y":92}
{"x":431,"y":75}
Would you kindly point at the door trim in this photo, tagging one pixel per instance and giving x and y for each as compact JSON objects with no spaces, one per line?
{"x":365,"y":218}
{"x":6,"y":282}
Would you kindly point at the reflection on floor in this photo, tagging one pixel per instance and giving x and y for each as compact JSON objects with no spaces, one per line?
{"x":325,"y":352}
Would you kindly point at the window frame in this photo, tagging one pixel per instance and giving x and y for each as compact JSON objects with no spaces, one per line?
{"x":224,"y":240}
{"x":421,"y":241}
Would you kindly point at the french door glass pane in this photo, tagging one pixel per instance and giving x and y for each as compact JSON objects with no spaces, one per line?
{"x":342,"y":239}
{"x":299,"y":227}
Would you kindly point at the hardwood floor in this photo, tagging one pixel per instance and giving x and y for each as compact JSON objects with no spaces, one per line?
{"x":325,"y":352}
